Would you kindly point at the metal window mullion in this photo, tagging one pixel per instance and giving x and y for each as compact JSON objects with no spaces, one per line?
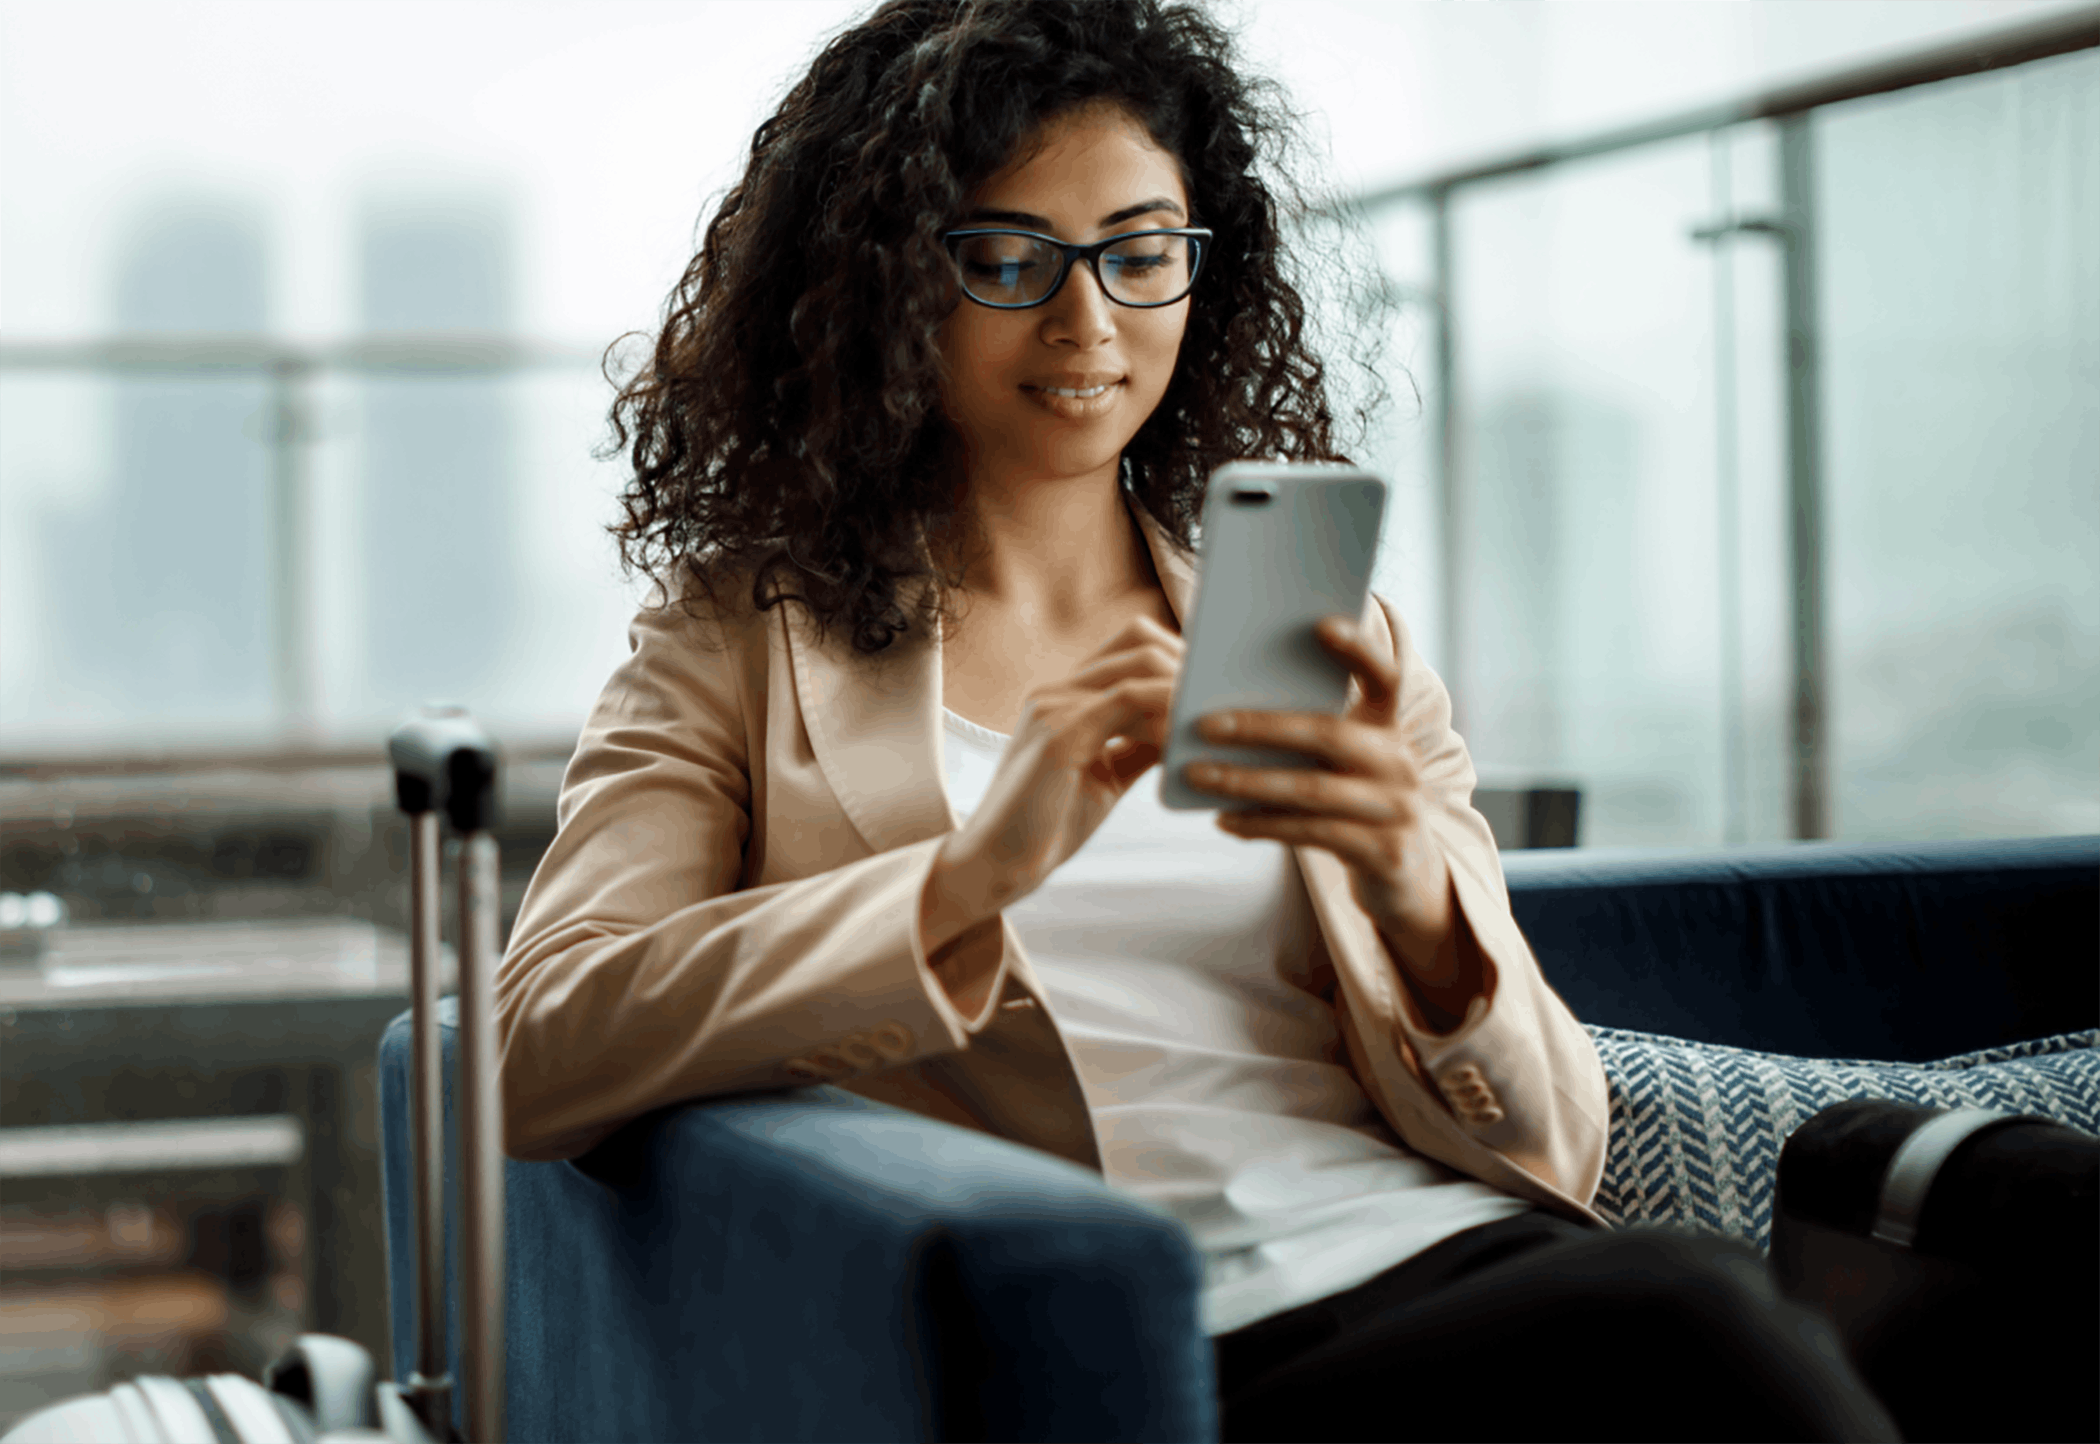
{"x":291,"y":580}
{"x":1449,"y":542}
{"x":1809,"y":732}
{"x":1727,"y":498}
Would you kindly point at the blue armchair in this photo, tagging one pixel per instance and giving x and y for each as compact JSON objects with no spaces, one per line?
{"x":811,"y":1265}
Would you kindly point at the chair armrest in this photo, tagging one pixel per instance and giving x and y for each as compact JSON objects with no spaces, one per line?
{"x":813,"y":1265}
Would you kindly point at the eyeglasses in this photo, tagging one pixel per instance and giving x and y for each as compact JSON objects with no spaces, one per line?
{"x":1013,"y":270}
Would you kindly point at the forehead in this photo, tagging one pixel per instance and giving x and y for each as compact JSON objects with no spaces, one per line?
{"x":1083,"y":165}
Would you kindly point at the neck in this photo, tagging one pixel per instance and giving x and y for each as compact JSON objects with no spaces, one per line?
{"x":1053,"y":549}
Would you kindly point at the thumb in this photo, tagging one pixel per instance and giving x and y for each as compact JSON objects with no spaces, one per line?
{"x":1129,"y":759}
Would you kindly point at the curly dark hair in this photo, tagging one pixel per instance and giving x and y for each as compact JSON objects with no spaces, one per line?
{"x":788,"y":427}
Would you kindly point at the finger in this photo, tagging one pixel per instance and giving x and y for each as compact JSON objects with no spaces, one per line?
{"x":1305,"y":790}
{"x":1140,"y":631}
{"x":1345,"y":744}
{"x":1354,"y":843}
{"x":1130,"y":758}
{"x":1154,"y":659}
{"x":1376,"y":675}
{"x":1096,"y":677}
{"x":1135,"y":707}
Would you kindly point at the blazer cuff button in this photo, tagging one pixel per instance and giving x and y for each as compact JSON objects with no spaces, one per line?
{"x":861,"y":1053}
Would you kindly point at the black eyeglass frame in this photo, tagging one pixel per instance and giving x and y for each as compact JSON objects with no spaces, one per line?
{"x":1089,"y":253}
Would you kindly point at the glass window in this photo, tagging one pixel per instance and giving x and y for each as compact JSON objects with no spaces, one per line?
{"x":1409,"y":571}
{"x":1960,"y":248}
{"x":1586,"y":529}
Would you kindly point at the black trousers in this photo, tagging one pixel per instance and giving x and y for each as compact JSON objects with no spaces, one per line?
{"x":1534,"y":1327}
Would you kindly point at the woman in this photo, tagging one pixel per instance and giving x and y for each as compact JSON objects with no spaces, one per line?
{"x":999,"y":287}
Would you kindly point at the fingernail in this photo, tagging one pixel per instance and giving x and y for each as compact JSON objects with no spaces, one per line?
{"x":1336,"y":628}
{"x":1223,"y":725}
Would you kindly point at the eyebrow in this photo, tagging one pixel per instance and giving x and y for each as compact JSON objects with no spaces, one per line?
{"x":1043,"y":223}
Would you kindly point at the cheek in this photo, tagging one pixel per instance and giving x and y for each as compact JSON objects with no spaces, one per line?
{"x":975,"y":356}
{"x":1156,"y":346}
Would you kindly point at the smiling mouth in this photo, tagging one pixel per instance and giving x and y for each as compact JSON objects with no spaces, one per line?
{"x":1080,"y":392}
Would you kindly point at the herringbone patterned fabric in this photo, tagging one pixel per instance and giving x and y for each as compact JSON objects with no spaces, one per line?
{"x":1696,"y":1129}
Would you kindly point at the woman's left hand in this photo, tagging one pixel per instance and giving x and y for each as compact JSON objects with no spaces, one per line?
{"x":1365,"y":804}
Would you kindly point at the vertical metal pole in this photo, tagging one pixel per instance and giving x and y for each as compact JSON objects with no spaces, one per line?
{"x":1810,"y":731}
{"x":430,"y":1387}
{"x":290,"y":642}
{"x":480,"y":1140}
{"x":1727,"y":506}
{"x":1449,"y":551}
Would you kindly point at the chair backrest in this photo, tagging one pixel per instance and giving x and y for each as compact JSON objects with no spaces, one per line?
{"x":1905,"y":952}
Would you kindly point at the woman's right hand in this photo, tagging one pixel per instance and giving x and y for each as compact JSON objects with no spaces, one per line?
{"x":1082,"y":742}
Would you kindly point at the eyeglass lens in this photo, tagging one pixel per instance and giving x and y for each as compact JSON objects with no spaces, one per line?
{"x":1004,"y":270}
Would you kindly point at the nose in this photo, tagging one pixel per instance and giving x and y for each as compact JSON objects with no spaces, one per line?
{"x":1079,"y":314}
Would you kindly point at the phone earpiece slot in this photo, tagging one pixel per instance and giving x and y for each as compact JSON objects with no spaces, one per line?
{"x":1252,"y":496}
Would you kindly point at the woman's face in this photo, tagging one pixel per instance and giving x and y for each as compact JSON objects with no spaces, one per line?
{"x":1010,"y":374}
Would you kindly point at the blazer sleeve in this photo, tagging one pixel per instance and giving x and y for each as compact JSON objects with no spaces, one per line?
{"x":637,"y":974}
{"x":1519,"y":1073}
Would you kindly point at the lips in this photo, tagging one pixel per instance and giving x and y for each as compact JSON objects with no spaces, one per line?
{"x":1079,"y":398}
{"x":1077,"y":390}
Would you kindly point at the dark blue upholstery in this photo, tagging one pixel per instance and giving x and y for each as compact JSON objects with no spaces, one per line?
{"x":1904,"y":952}
{"x":810,"y":1265}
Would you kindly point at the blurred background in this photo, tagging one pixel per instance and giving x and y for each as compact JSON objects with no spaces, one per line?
{"x":1745,"y":441}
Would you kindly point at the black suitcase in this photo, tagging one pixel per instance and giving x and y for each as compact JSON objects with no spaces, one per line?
{"x":1956,"y":1251}
{"x":325,"y":1390}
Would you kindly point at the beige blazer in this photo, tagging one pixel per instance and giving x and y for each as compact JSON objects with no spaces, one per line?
{"x":732,"y":900}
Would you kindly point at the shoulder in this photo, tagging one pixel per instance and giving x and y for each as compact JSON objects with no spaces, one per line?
{"x":706,"y":609}
{"x":697,"y":646}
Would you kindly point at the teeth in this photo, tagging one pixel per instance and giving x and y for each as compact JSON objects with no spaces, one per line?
{"x":1067,"y":391}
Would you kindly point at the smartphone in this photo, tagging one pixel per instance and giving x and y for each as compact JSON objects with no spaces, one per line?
{"x":1281,"y":547}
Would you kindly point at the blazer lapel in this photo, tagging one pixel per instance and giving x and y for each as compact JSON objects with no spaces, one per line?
{"x":1176,"y":568}
{"x":874,"y":723}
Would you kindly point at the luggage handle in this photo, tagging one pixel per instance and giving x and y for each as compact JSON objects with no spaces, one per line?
{"x":1918,"y":1161}
{"x":445,"y":763}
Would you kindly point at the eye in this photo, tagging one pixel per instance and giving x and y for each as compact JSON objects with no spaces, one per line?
{"x":1011,"y":266}
{"x":1141,"y":254}
{"x":1005,"y":269}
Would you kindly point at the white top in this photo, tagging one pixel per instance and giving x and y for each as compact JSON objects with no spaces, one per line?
{"x":1220,"y":1089}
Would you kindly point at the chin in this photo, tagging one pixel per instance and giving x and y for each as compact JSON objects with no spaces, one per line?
{"x":1076,"y":457}
{"x":1075,"y":448}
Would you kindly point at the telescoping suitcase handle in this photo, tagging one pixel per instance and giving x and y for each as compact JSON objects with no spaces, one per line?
{"x":444,"y":763}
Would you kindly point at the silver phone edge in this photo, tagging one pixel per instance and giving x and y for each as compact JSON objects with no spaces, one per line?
{"x":1175,"y":793}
